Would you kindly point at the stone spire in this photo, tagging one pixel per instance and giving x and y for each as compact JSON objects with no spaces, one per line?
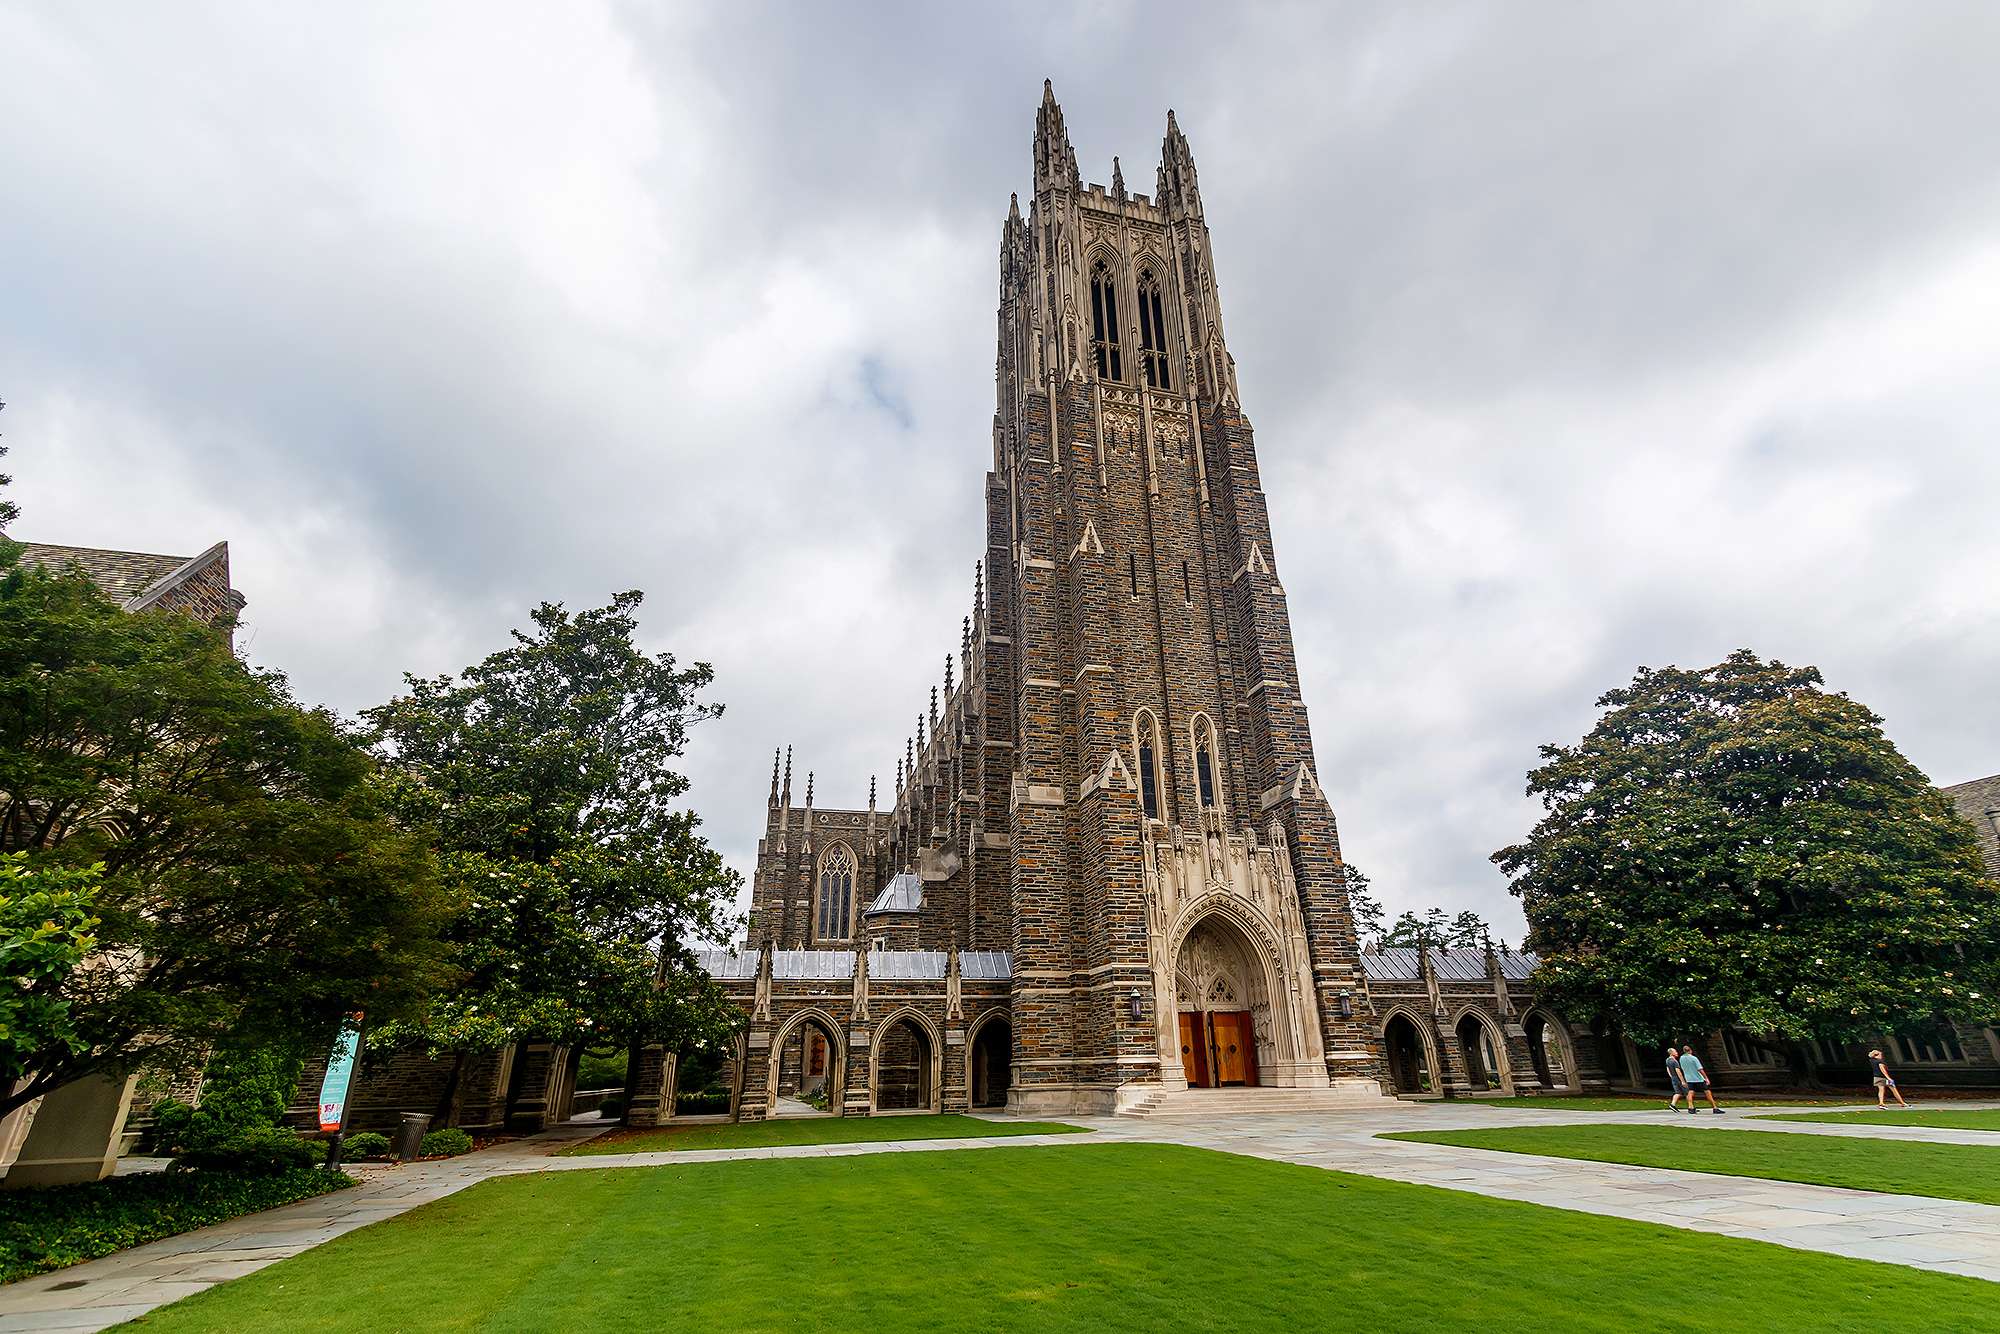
{"x":1177,"y":190}
{"x":785,"y":803}
{"x":1118,"y":182}
{"x":947,"y":676}
{"x":1055,"y":160}
{"x":774,"y":779}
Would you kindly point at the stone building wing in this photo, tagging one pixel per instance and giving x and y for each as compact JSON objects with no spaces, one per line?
{"x":1979,"y":802}
{"x":197,"y":586}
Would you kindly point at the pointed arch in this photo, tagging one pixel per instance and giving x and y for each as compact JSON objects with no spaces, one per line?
{"x":931,"y":1086}
{"x":1105,"y":348}
{"x":1152,"y":324}
{"x":1495,"y":1038}
{"x":1426,"y":1048}
{"x":1204,"y":742}
{"x":836,"y":1080}
{"x":838,"y":870}
{"x":1148,"y":744}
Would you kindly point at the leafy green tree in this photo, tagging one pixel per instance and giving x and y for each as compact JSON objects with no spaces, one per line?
{"x":1363,"y":906}
{"x":1735,"y":846}
{"x":253,"y":883}
{"x":45,"y":927}
{"x":546,"y":773}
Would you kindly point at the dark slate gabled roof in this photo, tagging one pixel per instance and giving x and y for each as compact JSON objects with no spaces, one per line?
{"x":1400,"y":965}
{"x":123,"y":574}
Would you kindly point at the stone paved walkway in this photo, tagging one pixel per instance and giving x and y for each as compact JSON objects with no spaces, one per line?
{"x":1943,"y":1235}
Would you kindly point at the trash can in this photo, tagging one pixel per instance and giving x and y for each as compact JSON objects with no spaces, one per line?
{"x":410,"y":1135}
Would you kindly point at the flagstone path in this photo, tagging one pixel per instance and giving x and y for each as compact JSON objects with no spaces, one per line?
{"x":1948,"y":1236}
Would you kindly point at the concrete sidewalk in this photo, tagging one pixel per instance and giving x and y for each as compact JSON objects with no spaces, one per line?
{"x":1941,"y":1235}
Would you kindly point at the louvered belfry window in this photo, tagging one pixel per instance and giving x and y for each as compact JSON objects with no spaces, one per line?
{"x":1152,"y":331}
{"x":1104,"y":322}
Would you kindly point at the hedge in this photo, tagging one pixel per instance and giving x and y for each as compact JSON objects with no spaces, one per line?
{"x":59,"y":1226}
{"x":701,"y":1104}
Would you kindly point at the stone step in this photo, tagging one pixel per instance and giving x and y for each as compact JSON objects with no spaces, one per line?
{"x":1192,"y":1103}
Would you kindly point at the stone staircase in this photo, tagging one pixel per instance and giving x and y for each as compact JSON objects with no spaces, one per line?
{"x":1191,"y":1103}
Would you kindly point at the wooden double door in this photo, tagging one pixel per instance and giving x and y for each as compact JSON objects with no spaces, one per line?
{"x":1218,"y":1049}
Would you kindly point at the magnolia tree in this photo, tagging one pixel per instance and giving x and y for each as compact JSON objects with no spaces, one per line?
{"x":547,"y":777}
{"x":1737,"y":847}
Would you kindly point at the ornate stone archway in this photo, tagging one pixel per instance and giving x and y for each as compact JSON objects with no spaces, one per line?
{"x":1223,"y":958}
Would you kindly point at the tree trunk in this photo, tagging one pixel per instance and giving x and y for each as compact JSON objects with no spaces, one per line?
{"x":442,"y":1117}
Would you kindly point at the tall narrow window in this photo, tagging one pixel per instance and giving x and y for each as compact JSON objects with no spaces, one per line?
{"x":836,"y":892}
{"x":1204,"y":762}
{"x":1152,"y":331}
{"x":1149,"y":788}
{"x":1104,"y":322}
{"x":1132,"y":568}
{"x":1187,"y":589}
{"x":1146,"y":744}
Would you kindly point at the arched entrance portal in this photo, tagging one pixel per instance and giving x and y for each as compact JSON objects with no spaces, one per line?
{"x":903,"y":1068}
{"x":992,"y":1063}
{"x":1481,"y":1067}
{"x":1220,"y":997}
{"x":1409,"y":1069}
{"x":806,"y":1065}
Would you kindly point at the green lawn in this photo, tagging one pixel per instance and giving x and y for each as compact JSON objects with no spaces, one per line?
{"x":1083,"y":1239}
{"x":1943,"y":1118}
{"x":814,"y":1130}
{"x":1947,"y":1171}
{"x":1642,"y":1103}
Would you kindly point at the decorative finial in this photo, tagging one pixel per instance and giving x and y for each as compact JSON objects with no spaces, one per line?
{"x":809,"y":789}
{"x":933,"y":710}
{"x":871,"y":794}
{"x":1117,"y":180}
{"x":947,"y":676}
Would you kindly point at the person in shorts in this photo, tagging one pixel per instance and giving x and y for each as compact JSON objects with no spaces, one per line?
{"x":1675,"y":1083}
{"x":1885,"y":1083}
{"x":1697,"y":1081}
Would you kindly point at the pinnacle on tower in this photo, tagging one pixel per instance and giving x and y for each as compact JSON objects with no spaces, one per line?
{"x":1177,"y":178}
{"x":1118,"y":182}
{"x":787,"y":802}
{"x":809,"y":790}
{"x":871,"y":794}
{"x":947,"y":676}
{"x":774,"y":776}
{"x":934,"y":704}
{"x":1055,"y":160}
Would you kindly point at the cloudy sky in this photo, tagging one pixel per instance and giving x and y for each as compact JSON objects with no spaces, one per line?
{"x":1577,"y":337}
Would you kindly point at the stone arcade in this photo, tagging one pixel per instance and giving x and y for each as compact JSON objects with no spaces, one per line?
{"x":1109,"y":874}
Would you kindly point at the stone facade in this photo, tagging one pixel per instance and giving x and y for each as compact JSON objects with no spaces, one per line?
{"x":1113,"y":803}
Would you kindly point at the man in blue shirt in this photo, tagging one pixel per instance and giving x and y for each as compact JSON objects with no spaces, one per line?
{"x":1675,"y":1083}
{"x":1697,"y":1080}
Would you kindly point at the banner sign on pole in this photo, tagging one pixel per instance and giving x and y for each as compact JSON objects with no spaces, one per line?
{"x":339,"y":1073}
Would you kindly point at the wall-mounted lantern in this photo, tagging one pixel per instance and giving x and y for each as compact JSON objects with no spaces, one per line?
{"x":1138,"y":1006}
{"x":1346,"y":1005}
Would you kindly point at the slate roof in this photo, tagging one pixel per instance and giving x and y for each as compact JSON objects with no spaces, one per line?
{"x":838,"y":965}
{"x":903,"y":893}
{"x":1974,"y":799}
{"x":123,"y":574}
{"x":1400,"y":965}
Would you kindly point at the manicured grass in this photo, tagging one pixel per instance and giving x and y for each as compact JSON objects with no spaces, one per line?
{"x":1943,"y":1118}
{"x":814,"y":1130}
{"x":1084,"y":1238}
{"x":1946,"y":1171}
{"x":1642,"y":1103}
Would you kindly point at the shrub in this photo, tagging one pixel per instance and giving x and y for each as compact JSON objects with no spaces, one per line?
{"x":218,"y":1147}
{"x":445,"y":1144}
{"x":170,"y":1121}
{"x":365,"y":1144}
{"x":57,"y":1226}
{"x":611,"y":1108}
{"x":701,"y":1104}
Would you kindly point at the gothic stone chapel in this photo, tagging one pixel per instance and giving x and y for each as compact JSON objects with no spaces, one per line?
{"x":1110,"y":876}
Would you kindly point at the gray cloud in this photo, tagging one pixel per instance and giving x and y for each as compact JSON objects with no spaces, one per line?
{"x":1576,"y":338}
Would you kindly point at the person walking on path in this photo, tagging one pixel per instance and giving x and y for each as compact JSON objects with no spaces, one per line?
{"x":1697,"y":1081}
{"x":1675,"y":1083}
{"x":1885,"y":1083}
